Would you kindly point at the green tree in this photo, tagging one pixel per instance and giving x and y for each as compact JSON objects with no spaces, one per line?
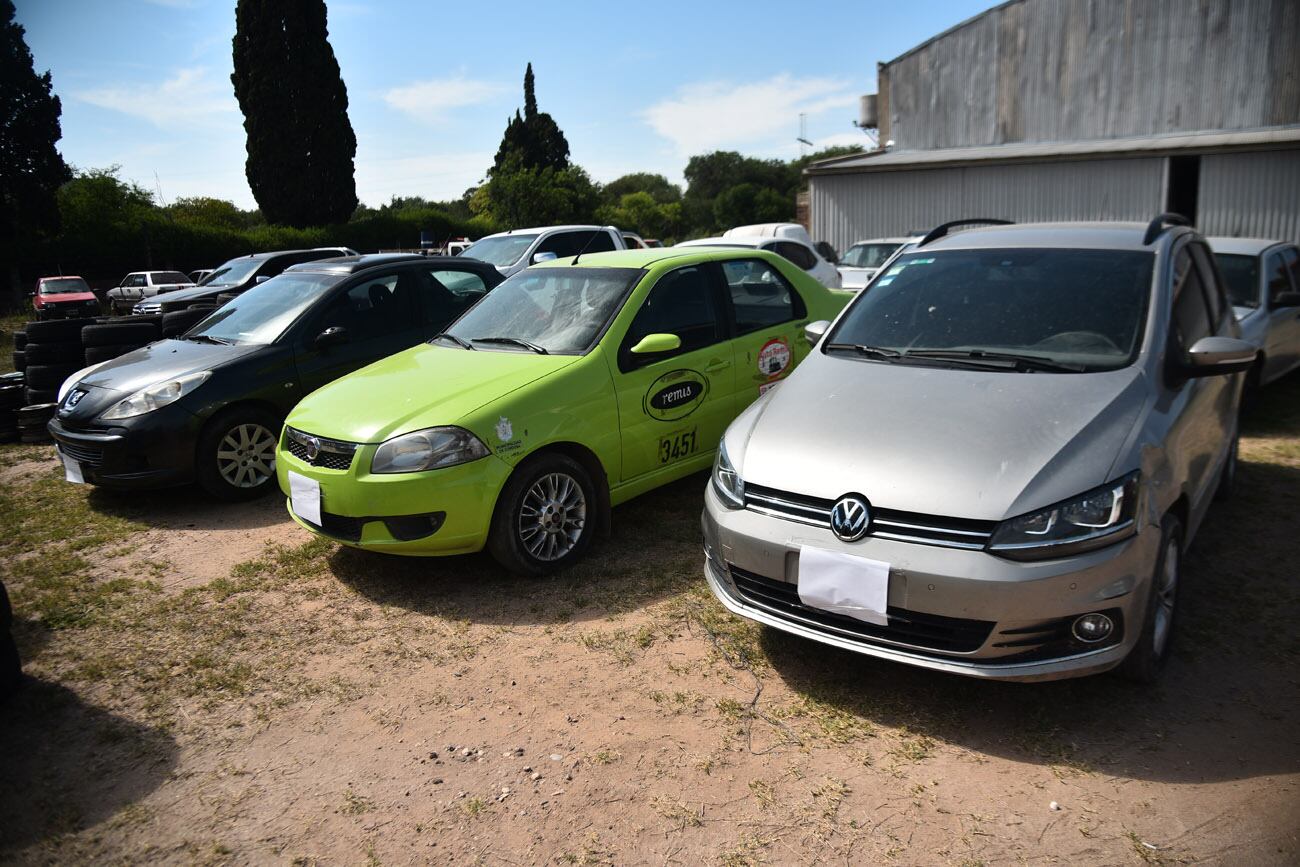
{"x":31,"y":169}
{"x":301,"y":145}
{"x":639,"y":212}
{"x":534,"y":138}
{"x":207,"y":211}
{"x":519,"y":195}
{"x":748,"y":203}
{"x":656,"y":186}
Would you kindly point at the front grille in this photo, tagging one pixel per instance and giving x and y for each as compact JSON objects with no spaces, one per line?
{"x":330,"y":454}
{"x":84,"y":454}
{"x":885,"y":523}
{"x":912,"y":629}
{"x":404,"y":528}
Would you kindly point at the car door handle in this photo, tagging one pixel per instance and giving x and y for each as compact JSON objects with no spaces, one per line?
{"x":717,"y":366}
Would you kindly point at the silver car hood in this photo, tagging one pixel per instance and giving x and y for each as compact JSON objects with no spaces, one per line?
{"x":940,"y":441}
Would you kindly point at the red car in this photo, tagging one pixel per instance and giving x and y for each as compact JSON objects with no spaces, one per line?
{"x":64,"y":298}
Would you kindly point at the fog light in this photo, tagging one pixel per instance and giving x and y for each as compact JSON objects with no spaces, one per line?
{"x":1091,"y":628}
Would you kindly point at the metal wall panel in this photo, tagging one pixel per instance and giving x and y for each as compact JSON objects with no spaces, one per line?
{"x":851,"y":207}
{"x":1066,"y":70}
{"x":1250,"y":195}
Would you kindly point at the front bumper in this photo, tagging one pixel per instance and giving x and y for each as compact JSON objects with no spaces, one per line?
{"x":154,"y":450}
{"x":374,"y":511}
{"x":959,"y":611}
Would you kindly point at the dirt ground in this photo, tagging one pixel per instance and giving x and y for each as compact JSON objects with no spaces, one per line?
{"x":209,"y":684}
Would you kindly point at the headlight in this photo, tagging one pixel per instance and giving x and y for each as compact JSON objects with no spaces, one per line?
{"x":726,"y":481}
{"x":71,"y":382}
{"x":1100,"y":517}
{"x":427,"y":449}
{"x":156,"y":396}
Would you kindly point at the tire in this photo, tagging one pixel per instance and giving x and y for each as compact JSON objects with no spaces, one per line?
{"x":1250,"y":388}
{"x":177,"y":323}
{"x":20,"y":359}
{"x":118,"y":333}
{"x":96,"y":354}
{"x":518,"y":541}
{"x":222,"y":449}
{"x":55,"y":331}
{"x":38,"y":396}
{"x":52,"y":353}
{"x":11,"y":669}
{"x":1146,"y":661}
{"x":50,"y":376}
{"x":1228,"y":475}
{"x":41,"y":436}
{"x":20,"y":340}
{"x":36,"y":413}
{"x":12,"y":397}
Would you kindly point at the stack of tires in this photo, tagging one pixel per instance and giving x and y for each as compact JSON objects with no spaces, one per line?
{"x":52,"y":352}
{"x":176,"y":323}
{"x":12,"y":397}
{"x":107,"y":339}
{"x":20,"y":350}
{"x":32,"y":421}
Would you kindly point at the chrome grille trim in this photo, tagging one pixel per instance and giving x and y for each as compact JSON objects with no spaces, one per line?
{"x":331,"y":455}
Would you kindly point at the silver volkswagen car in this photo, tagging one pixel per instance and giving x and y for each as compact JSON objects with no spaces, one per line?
{"x":994,"y":459}
{"x":1262,"y":279}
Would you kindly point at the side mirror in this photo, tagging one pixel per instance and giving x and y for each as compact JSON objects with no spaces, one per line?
{"x":331,"y":336}
{"x":655,"y":343}
{"x":543,"y":257}
{"x":1215,"y":356}
{"x":1286,"y":299}
{"x":815,"y":331}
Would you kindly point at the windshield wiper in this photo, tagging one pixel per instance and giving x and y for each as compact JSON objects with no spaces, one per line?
{"x":869,"y":351}
{"x":206,"y":338}
{"x":1019,"y":362}
{"x":459,"y":341}
{"x":513,"y":341}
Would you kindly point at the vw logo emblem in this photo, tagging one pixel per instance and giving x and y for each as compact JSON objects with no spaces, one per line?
{"x":850,"y":518}
{"x":313,"y":448}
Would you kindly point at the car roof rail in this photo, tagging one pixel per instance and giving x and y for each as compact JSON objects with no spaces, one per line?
{"x":1157,"y":226}
{"x":940,"y":231}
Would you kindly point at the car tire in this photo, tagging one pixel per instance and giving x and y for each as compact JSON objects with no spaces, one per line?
{"x":241,"y":438}
{"x":1146,"y":661}
{"x":38,"y":396}
{"x":49,"y":377}
{"x":12,"y":396}
{"x":118,"y":333}
{"x":55,"y":331}
{"x":1228,"y":475}
{"x":1250,"y":388}
{"x":11,"y":669}
{"x":20,"y":340}
{"x":545,"y":516}
{"x":20,"y":359}
{"x":97,"y":354}
{"x":52,"y":353}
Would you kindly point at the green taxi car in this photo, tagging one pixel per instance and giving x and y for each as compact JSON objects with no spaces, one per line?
{"x":573,"y":386}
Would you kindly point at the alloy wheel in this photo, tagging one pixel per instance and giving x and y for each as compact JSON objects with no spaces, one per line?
{"x":552,"y":516}
{"x":246,"y":455}
{"x":1166,"y":597}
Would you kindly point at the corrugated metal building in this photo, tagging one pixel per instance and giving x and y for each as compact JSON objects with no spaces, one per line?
{"x":1083,"y":110}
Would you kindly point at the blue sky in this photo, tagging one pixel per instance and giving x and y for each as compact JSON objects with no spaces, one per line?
{"x":145,"y":84}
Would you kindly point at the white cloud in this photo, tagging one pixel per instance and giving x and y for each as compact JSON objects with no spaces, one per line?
{"x":710,"y":115}
{"x":190,"y":97}
{"x":430,"y":100}
{"x":438,"y":176}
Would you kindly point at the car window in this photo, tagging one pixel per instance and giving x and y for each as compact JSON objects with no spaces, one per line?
{"x":436,"y":303}
{"x":868,"y":255}
{"x":460,"y":283}
{"x":1210,"y":283}
{"x":796,"y":253}
{"x":136,"y":280}
{"x":760,"y":296}
{"x":170,"y":277}
{"x":1281,"y":268}
{"x":1191,"y":316}
{"x":502,"y":250}
{"x":63,"y":285}
{"x":683,"y":303}
{"x":564,"y":244}
{"x":263,"y":313}
{"x":1292,"y":257}
{"x":233,"y":272}
{"x":374,"y":307}
{"x":1241,"y":276}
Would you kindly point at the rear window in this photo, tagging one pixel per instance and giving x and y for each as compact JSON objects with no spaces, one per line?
{"x":1241,"y":276}
{"x":170,"y":277}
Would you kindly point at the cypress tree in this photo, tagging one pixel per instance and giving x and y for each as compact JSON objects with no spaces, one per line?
{"x":300,"y":143}
{"x":31,"y":169}
{"x":535,"y":139}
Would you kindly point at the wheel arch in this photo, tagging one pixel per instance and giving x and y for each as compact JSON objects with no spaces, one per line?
{"x":592,"y":464}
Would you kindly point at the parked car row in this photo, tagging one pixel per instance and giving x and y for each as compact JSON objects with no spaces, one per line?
{"x":988,"y":461}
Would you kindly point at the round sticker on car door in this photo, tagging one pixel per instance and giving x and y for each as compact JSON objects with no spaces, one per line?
{"x":774,"y":357}
{"x":676,"y":395}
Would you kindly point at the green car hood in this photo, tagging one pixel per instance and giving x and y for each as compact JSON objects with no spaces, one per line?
{"x":421,"y":387}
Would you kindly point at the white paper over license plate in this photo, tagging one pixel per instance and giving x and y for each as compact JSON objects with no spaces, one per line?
{"x":844,"y":584}
{"x":71,"y":469}
{"x":304,"y":497}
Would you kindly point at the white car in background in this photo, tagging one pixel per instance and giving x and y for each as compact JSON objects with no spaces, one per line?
{"x":139,"y":285}
{"x":513,"y":251}
{"x":787,"y":240}
{"x":861,"y":261}
{"x":1262,"y":278}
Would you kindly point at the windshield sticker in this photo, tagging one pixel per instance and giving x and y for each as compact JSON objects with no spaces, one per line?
{"x":505,"y":430}
{"x":767,"y":386}
{"x":676,"y":395}
{"x":921,"y":262}
{"x":896,"y":270}
{"x":774,"y":357}
{"x":885,"y":281}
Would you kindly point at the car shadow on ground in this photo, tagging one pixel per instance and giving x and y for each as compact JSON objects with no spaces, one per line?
{"x":188,"y":507}
{"x":653,"y":552}
{"x":68,"y":765}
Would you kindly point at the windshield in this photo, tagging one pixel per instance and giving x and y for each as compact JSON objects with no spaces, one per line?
{"x":868,"y":255}
{"x":1082,"y":308}
{"x":561,"y":310}
{"x":262,"y":314}
{"x":232,"y":272}
{"x":1241,"y":274}
{"x":63,"y":285}
{"x":502,"y":250}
